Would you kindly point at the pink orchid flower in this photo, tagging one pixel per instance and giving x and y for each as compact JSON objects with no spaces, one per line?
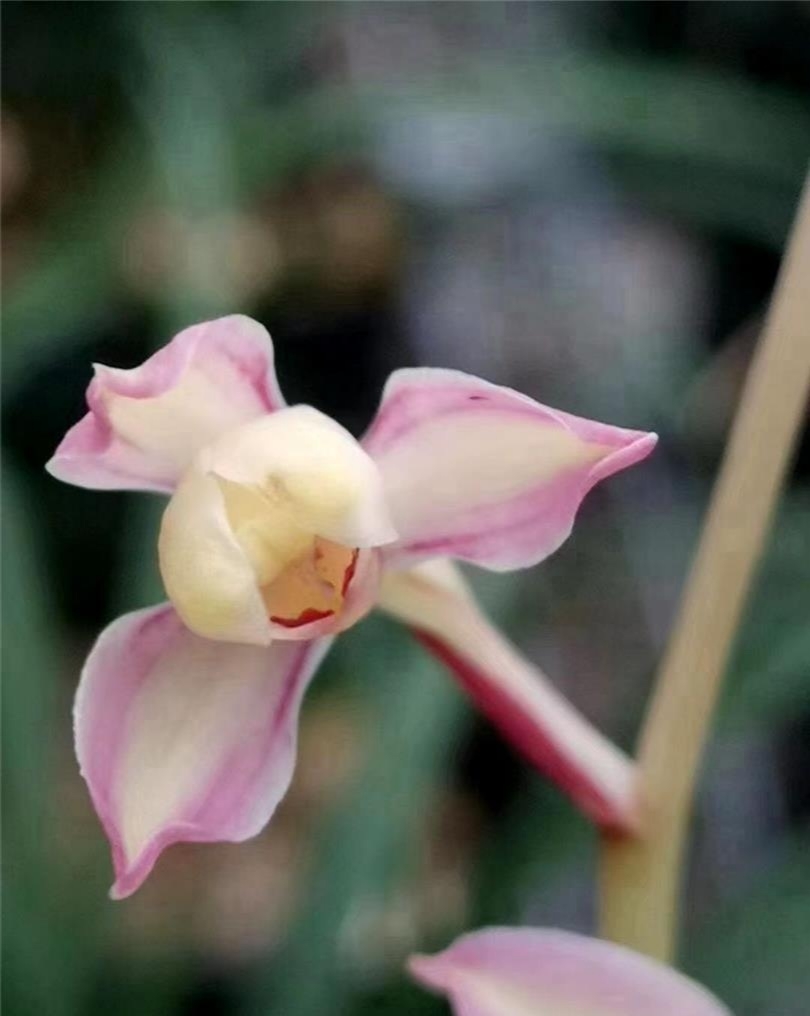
{"x":540,"y":972}
{"x":282,"y":530}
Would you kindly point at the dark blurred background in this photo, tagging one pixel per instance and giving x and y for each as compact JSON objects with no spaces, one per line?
{"x":584,"y":200}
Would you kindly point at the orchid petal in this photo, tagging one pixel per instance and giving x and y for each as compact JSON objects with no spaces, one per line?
{"x":540,"y":972}
{"x":252,"y":506}
{"x":181,"y":739}
{"x":482,"y":473}
{"x":146,"y":424}
{"x":333,"y":483}
{"x":518,"y":698}
{"x":205,"y":571}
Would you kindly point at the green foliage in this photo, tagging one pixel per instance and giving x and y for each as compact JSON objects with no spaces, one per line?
{"x":769,"y":682}
{"x":368,"y":845}
{"x":753,"y":951}
{"x":46,"y":968}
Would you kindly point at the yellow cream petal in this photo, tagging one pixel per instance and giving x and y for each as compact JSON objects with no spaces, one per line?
{"x":186,"y":417}
{"x":207,"y":574}
{"x":252,"y":512}
{"x":302,"y":461}
{"x":267,"y":529}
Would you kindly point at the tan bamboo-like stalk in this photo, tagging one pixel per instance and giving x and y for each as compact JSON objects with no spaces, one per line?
{"x":640,"y":879}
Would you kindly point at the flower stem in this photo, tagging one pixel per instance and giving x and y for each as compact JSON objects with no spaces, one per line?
{"x":640,"y":879}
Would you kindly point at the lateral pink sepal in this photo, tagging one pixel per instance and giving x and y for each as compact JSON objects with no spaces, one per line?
{"x":482,"y":473}
{"x":181,"y":739}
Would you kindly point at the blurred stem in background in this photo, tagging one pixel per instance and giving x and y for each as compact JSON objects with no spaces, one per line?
{"x":641,"y":878}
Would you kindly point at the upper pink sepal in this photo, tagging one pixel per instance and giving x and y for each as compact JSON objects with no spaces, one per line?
{"x":181,"y":739}
{"x":540,"y":972}
{"x":146,"y":424}
{"x":482,"y":473}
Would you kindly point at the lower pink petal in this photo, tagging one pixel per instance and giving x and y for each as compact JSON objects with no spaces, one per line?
{"x":516,"y":696}
{"x":541,"y":972}
{"x":182,"y":739}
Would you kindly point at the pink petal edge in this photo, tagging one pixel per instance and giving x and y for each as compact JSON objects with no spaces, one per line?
{"x":505,"y":533}
{"x":91,"y":455}
{"x":516,"y":696}
{"x":149,"y":680}
{"x":515,"y":971}
{"x":600,"y":781}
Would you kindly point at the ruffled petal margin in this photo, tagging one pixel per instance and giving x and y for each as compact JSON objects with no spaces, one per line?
{"x":146,"y":424}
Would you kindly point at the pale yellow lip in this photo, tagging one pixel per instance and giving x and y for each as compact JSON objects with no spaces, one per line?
{"x":265,"y":526}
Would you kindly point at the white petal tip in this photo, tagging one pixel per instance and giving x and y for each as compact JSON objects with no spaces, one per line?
{"x":425,"y":969}
{"x":125,"y":885}
{"x":648,"y":442}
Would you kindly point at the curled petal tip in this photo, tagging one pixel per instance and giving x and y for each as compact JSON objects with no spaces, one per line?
{"x":132,"y":871}
{"x":123,"y":888}
{"x":648,"y":444}
{"x":425,"y":969}
{"x":52,"y":466}
{"x":637,"y":448}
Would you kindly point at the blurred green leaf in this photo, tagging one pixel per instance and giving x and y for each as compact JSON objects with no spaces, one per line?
{"x":73,"y":277}
{"x":541,"y":834}
{"x":368,"y":843}
{"x":769,"y":678}
{"x":47,"y":969}
{"x":711,"y":148}
{"x":754,"y":951}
